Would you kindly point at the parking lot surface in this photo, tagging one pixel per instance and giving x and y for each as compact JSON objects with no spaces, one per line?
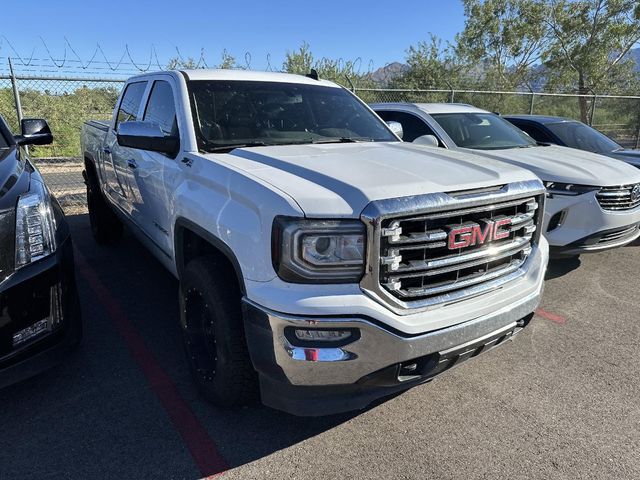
{"x":560,"y":401}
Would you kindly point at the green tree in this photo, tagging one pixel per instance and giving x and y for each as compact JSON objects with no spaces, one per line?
{"x":228,"y":61}
{"x":178,"y":63}
{"x":344,"y":72}
{"x":503,"y":40}
{"x":589,"y":45}
{"x":299,"y":61}
{"x":430,"y":65}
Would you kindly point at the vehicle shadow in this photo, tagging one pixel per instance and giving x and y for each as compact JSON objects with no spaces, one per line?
{"x":635,"y":243}
{"x":559,"y":267}
{"x":99,"y":413}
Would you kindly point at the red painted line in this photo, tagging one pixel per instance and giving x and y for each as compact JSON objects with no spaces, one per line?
{"x":560,"y":320}
{"x":202,"y":448}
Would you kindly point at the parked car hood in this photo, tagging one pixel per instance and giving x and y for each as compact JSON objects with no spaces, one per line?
{"x":568,"y":165}
{"x":632,"y":157}
{"x":341,"y":179}
{"x":14,"y":180}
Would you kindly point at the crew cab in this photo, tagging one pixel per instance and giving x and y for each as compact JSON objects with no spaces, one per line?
{"x":322,"y":262}
{"x":39,"y":308}
{"x":593,"y":201}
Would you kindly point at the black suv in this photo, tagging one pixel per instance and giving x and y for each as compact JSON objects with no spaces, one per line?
{"x":39,"y":307}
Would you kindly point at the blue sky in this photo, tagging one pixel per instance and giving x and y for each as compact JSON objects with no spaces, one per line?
{"x":377,"y":31}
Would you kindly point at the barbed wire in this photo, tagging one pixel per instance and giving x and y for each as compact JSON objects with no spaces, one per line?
{"x":44,"y":59}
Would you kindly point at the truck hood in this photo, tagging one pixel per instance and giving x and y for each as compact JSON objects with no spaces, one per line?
{"x":568,"y":165}
{"x":339,"y":180}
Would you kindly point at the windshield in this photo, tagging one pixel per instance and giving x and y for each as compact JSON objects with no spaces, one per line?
{"x":482,"y":131}
{"x":228,"y":114}
{"x":581,"y":136}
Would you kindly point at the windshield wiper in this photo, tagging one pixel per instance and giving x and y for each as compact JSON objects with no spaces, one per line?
{"x":342,"y":140}
{"x":233,"y":146}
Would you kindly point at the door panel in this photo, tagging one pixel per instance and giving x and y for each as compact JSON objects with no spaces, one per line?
{"x":117,"y":158}
{"x":155,"y":173}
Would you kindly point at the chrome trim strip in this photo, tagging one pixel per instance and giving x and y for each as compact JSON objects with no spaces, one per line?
{"x":431,"y":271}
{"x":467,"y":282}
{"x":460,"y":259}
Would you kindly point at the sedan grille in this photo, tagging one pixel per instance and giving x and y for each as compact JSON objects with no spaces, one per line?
{"x":434,"y":255}
{"x":625,"y":197}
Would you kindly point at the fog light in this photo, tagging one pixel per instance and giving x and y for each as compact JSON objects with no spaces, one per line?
{"x":46,"y":325}
{"x":322,"y":335}
{"x":30,"y":332}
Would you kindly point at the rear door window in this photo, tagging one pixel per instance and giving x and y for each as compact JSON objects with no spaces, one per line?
{"x":535,"y":132}
{"x":130,"y":105}
{"x":412,"y":126}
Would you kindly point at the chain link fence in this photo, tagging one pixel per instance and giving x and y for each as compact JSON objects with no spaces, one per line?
{"x":67,"y":102}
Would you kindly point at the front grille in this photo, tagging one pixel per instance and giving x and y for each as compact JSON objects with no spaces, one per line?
{"x":418,"y":262}
{"x":624,"y":197}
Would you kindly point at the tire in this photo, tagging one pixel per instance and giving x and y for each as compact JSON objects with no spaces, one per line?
{"x":106,"y":228}
{"x":213,"y":333}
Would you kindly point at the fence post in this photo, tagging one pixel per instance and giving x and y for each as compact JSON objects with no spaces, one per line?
{"x":452,"y":92}
{"x":637,"y":145}
{"x":593,"y":109}
{"x":533,"y":96}
{"x":16,"y":92}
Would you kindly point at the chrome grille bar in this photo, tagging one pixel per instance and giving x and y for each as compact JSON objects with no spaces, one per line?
{"x":415,"y":259}
{"x":467,"y":282}
{"x":624,"y":197}
{"x":459,"y":259}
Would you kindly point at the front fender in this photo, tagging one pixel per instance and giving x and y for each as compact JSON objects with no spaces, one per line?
{"x":236,"y":212}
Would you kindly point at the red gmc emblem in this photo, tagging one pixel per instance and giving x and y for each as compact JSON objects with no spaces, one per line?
{"x":469,"y":235}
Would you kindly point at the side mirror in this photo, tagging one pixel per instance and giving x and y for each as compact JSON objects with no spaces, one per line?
{"x":35,"y":131}
{"x":396,"y":127}
{"x":427,"y":140}
{"x":147,"y":136}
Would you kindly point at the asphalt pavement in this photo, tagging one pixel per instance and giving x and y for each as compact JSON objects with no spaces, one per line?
{"x":560,"y":401}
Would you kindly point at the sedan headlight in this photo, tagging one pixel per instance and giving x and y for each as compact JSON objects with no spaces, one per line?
{"x":35,"y":225}
{"x":318,"y":251}
{"x":557,"y":188}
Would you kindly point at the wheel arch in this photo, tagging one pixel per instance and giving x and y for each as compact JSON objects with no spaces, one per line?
{"x":192,"y":241}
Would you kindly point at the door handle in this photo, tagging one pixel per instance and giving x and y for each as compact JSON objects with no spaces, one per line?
{"x":107,"y":150}
{"x":132,"y":164}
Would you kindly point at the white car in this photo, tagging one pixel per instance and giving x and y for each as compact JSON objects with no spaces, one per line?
{"x":593,"y":201}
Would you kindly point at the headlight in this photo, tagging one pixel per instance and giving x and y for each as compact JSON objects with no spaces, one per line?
{"x":318,"y":251}
{"x":35,"y":225}
{"x":556,"y":188}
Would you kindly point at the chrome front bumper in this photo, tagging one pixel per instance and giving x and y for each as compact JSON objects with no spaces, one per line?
{"x":317,"y":381}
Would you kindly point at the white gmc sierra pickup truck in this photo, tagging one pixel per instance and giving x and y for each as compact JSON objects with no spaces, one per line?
{"x":319,"y":258}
